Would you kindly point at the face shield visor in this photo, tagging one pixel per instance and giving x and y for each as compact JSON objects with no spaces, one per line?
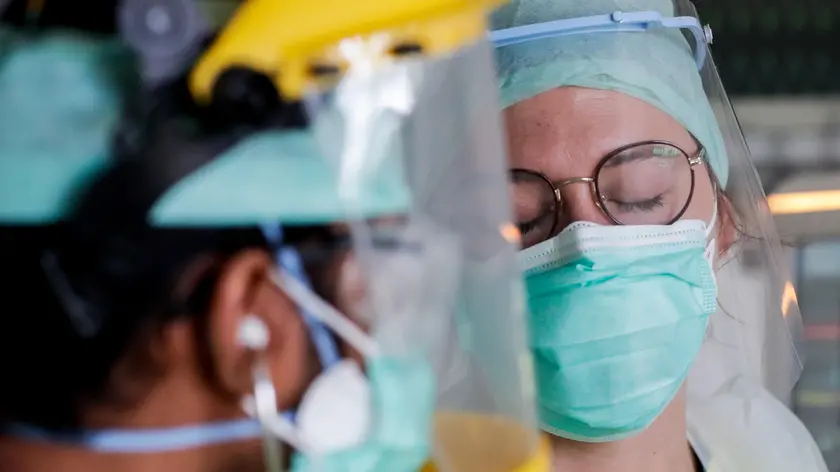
{"x":459,"y":304}
{"x":406,"y":121}
{"x":617,"y":117}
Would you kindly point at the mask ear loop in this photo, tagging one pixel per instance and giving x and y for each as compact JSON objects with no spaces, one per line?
{"x":326,"y":314}
{"x":319,"y":315}
{"x":265,"y":407}
{"x":710,"y":253}
{"x":288,"y":259}
{"x":262,"y":405}
{"x":710,"y":226}
{"x":320,"y":318}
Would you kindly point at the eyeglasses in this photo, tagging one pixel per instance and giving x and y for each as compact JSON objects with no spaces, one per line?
{"x":647,"y":183}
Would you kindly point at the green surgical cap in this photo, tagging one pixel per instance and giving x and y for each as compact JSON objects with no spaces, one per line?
{"x":655,"y":66}
{"x":62,"y":97}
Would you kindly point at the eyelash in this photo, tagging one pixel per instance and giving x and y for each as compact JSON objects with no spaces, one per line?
{"x":528,"y":226}
{"x":645,"y":205}
{"x":525,"y":228}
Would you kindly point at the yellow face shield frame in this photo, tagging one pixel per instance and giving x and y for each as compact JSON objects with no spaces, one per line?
{"x":303,"y":53}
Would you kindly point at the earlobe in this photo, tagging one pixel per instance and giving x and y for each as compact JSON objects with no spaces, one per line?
{"x":727,"y":224}
{"x":248,"y":318}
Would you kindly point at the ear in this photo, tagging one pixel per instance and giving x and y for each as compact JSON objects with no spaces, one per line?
{"x":727,"y":224}
{"x":244,"y":290}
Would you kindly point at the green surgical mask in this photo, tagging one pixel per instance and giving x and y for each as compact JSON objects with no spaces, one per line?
{"x":402,"y":395}
{"x":617,"y":316}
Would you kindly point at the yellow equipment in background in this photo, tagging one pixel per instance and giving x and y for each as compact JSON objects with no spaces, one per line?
{"x":294,"y":43}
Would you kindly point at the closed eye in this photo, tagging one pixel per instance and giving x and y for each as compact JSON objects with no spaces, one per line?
{"x":643,"y":205}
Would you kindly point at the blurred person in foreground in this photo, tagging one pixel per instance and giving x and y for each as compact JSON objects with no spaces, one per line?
{"x":206,"y":276}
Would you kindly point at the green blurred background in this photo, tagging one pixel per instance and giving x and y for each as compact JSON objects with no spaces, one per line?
{"x":770,"y":47}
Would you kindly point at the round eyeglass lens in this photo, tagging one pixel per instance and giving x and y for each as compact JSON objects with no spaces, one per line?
{"x":648,"y":184}
{"x":534,"y":206}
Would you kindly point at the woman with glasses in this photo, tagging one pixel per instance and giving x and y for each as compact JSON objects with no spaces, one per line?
{"x":656,"y":348}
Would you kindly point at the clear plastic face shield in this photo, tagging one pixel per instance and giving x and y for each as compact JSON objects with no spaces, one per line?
{"x":407,"y":121}
{"x":617,"y":118}
{"x":451,"y":292}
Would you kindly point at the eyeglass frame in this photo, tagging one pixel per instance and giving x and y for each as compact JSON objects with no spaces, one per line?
{"x":698,"y":159}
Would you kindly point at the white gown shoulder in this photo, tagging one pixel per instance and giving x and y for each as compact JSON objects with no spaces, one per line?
{"x":749,"y":430}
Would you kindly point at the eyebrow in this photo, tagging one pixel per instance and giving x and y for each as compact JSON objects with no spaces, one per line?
{"x":628,"y":155}
{"x":637,"y":154}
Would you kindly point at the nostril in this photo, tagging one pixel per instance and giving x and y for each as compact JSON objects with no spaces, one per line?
{"x":244,"y":95}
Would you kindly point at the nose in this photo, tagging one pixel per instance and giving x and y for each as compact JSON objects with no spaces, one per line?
{"x":579,"y":204}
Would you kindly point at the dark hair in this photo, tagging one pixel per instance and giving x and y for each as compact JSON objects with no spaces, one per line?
{"x":125,"y":283}
{"x":86,"y":293}
{"x":97,"y":16}
{"x":106,"y":267}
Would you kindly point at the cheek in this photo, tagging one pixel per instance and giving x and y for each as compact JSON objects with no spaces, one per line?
{"x":350,"y":300}
{"x":727,"y":234}
{"x":703,"y":199}
{"x":350,"y":294}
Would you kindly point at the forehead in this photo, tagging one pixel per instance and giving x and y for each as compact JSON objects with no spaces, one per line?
{"x":565,"y":132}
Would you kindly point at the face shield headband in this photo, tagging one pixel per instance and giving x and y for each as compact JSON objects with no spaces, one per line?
{"x":617,"y":22}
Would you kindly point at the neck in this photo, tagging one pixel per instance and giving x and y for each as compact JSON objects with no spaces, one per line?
{"x":663,"y":447}
{"x":22,"y":456}
{"x":176,"y":400}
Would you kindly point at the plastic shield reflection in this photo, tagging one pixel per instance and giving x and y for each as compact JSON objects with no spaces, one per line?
{"x":435,"y":119}
{"x":770,"y":324}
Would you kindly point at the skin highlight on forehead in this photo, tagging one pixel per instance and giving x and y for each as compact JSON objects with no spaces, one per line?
{"x":565,"y":132}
